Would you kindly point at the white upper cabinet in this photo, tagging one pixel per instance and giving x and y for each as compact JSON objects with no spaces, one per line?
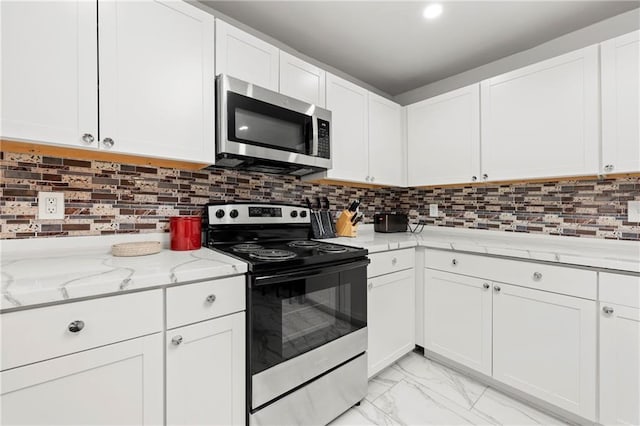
{"x":348,"y":104}
{"x":620,"y":62}
{"x":444,"y":138}
{"x":386,"y":146}
{"x":301,"y":80}
{"x":49,"y":72}
{"x":542,"y":120}
{"x":246,"y":57}
{"x":157,"y":79}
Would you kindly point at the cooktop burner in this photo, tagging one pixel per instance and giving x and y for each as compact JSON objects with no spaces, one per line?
{"x":246,"y":247}
{"x":272,"y":254}
{"x":332,"y":249}
{"x":304,"y":244}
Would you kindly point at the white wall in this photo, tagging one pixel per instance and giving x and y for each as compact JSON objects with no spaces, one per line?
{"x":596,"y":33}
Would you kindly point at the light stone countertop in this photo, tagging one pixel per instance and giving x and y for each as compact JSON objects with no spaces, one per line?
{"x":590,"y":252}
{"x":41,"y":271}
{"x":50,"y":270}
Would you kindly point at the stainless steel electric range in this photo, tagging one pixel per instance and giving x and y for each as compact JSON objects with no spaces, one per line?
{"x":306,"y":313}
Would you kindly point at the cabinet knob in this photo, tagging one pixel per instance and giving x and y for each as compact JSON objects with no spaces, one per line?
{"x":486,"y":286}
{"x":108,"y":142}
{"x":367,"y":178}
{"x":537,"y":276}
{"x":474,"y":178}
{"x":485,"y":176}
{"x":394,"y":261}
{"x":76,"y":326}
{"x":370,"y":286}
{"x":87,"y":138}
{"x":211,"y":298}
{"x":608,"y":168}
{"x":176,"y":340}
{"x":454,"y":262}
{"x":373,"y":178}
{"x":607,"y":310}
{"x":496,"y":288}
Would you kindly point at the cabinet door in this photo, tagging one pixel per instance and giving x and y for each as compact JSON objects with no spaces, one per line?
{"x":619,"y":365}
{"x":206,"y":372}
{"x":620,"y":62}
{"x":457,"y":315}
{"x":301,"y":80}
{"x":49,"y":72}
{"x":545,"y":345}
{"x":390,"y":319}
{"x":243,"y":56}
{"x":444,"y":138}
{"x":542,"y":120}
{"x":118,"y":384}
{"x":349,"y":138}
{"x":157,"y":79}
{"x":386,"y":149}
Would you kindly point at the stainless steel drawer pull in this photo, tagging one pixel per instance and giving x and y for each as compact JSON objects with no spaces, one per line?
{"x":211,"y":298}
{"x":496,"y":288}
{"x":486,"y":286}
{"x":176,"y":340}
{"x":76,"y":326}
{"x":394,"y":261}
{"x":454,"y":262}
{"x":370,"y":286}
{"x":537,"y":276}
{"x":607,"y":310}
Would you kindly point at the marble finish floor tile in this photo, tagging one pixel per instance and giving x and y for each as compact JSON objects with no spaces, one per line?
{"x":502,"y":410}
{"x":458,"y":388}
{"x":417,"y":391}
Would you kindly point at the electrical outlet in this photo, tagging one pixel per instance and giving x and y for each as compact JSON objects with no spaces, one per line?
{"x":433,"y":210}
{"x":50,"y":205}
{"x":633,"y":211}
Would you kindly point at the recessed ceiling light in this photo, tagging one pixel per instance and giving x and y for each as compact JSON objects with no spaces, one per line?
{"x":432,"y":11}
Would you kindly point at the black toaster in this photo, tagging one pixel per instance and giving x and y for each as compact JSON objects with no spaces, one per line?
{"x":390,"y":222}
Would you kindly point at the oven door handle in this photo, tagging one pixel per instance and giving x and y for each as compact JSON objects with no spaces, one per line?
{"x":280,"y":278}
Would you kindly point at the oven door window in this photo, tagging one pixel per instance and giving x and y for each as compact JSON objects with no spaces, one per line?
{"x":254,"y":122}
{"x":294,"y":317}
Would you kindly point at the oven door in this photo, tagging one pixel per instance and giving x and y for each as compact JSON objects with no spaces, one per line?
{"x":303,"y":324}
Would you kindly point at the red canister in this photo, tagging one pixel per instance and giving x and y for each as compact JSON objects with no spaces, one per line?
{"x":185,"y":232}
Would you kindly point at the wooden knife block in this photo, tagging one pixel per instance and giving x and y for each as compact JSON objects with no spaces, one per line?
{"x":344,"y":228}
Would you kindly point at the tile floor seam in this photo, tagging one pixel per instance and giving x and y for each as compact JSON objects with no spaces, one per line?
{"x":480,"y":397}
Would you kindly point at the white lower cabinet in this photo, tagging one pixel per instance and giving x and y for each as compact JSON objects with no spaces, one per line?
{"x":525,"y":334}
{"x":458,"y":318}
{"x":545,"y":345}
{"x":390,"y":318}
{"x":118,"y":384}
{"x":206,"y":372}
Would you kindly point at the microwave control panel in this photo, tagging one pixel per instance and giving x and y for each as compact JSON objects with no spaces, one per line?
{"x":324,"y":142}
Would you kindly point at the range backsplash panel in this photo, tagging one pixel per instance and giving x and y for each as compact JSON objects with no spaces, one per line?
{"x":110,"y":198}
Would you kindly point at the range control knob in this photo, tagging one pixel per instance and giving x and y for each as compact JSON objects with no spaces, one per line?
{"x":303,"y":213}
{"x":294,"y":213}
{"x":220,"y":213}
{"x":233,"y":213}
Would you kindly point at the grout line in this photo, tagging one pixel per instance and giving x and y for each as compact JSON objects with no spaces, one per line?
{"x":479,"y":398}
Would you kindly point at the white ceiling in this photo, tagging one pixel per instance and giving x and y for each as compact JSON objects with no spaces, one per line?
{"x":389,"y":45}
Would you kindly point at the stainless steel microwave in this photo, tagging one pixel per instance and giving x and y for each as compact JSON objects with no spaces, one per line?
{"x":264,"y":131}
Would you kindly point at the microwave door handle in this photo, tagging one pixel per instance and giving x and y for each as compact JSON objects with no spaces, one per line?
{"x":314,"y":132}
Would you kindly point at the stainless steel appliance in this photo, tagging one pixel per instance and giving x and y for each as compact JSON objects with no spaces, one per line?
{"x":306,"y":313}
{"x":265,"y":131}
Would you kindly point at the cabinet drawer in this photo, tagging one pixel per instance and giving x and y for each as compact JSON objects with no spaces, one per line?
{"x":557,"y":279}
{"x":391,"y":261}
{"x":620,"y":289}
{"x":38,"y":334}
{"x":201,"y":301}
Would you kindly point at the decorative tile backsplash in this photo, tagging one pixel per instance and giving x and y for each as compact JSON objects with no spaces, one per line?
{"x":107,"y":198}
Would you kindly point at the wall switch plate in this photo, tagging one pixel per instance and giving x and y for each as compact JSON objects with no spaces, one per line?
{"x":633,"y":211}
{"x":50,"y":205}
{"x":433,"y":210}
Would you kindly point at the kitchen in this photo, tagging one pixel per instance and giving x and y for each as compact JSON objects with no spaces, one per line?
{"x":514,"y":160}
